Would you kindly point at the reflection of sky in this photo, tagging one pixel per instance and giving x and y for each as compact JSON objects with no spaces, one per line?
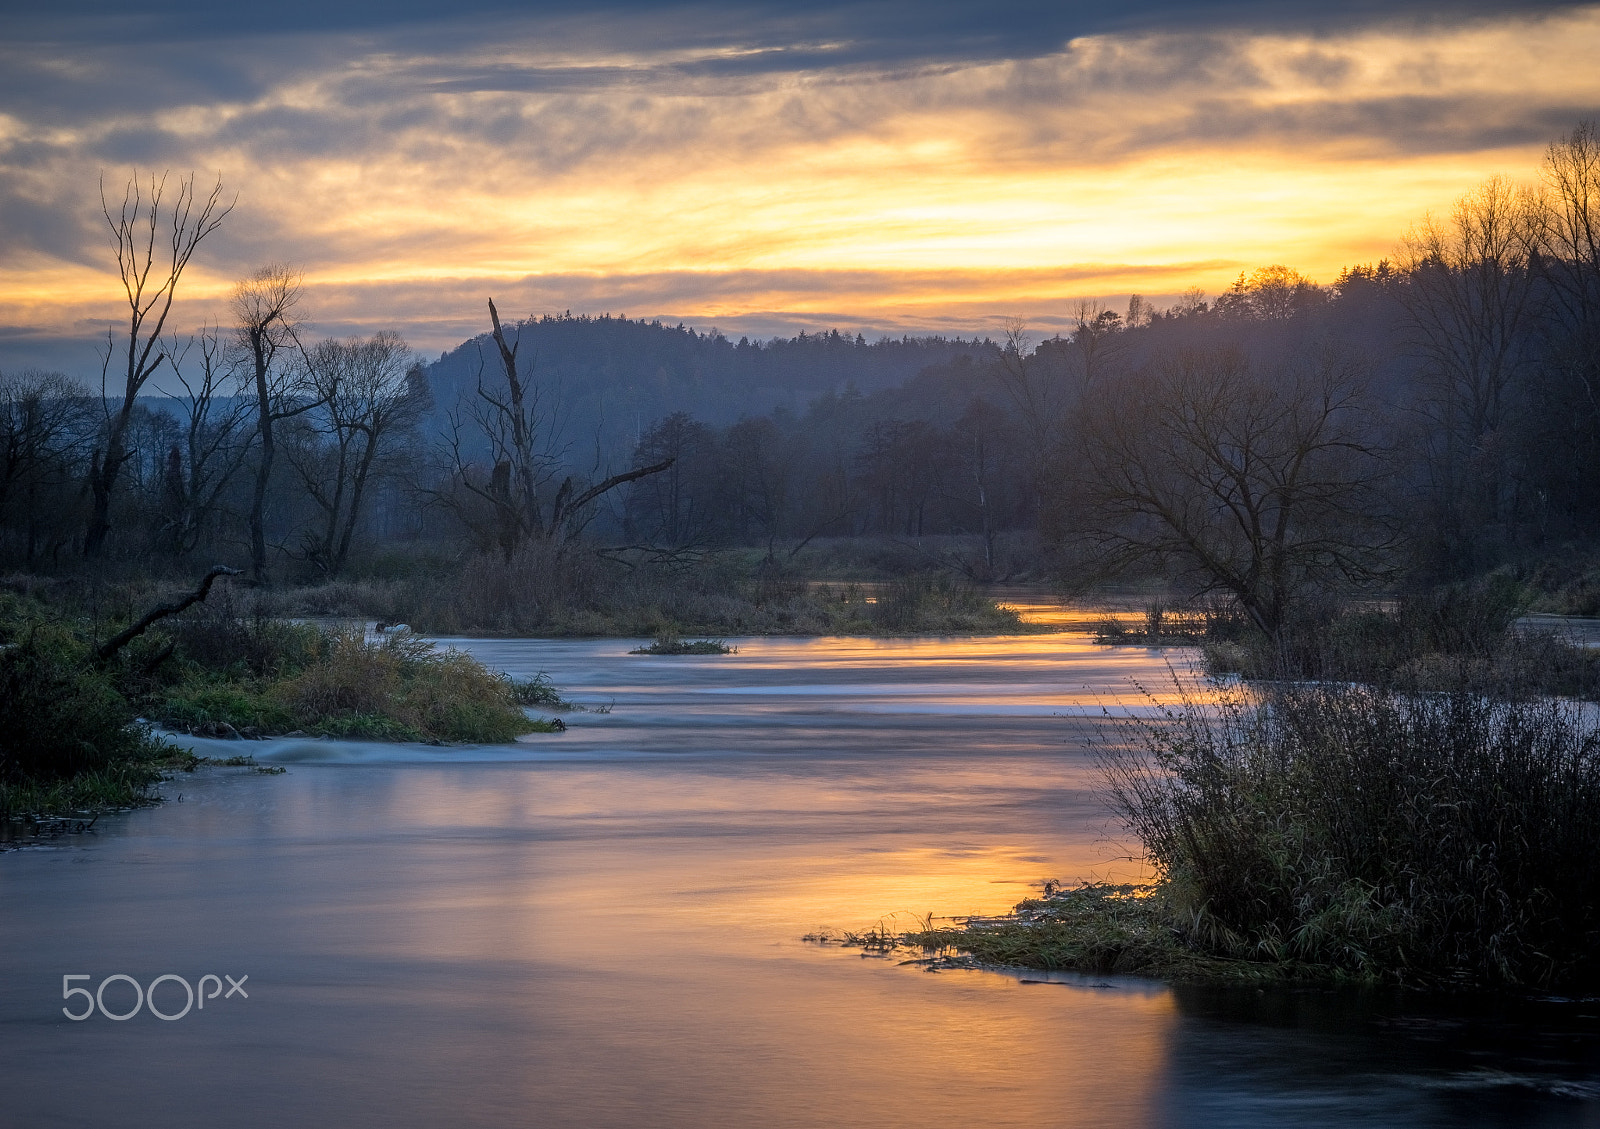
{"x":788,"y":697}
{"x":613,"y":939}
{"x":871,"y":165}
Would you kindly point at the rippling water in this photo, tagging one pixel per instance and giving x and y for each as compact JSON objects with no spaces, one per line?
{"x":601,"y":928}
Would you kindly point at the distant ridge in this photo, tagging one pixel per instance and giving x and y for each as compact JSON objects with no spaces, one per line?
{"x":605,"y":378}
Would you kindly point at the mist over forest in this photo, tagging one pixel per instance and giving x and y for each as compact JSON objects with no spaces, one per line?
{"x":1426,"y":418}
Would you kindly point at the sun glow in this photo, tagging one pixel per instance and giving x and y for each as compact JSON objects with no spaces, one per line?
{"x":936,"y":198}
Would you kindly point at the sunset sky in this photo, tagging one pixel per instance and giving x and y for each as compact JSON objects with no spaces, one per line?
{"x":883,"y":167}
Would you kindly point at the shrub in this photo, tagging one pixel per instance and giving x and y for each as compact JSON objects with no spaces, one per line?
{"x":1416,"y":837}
{"x":222,"y":636}
{"x":60,"y":715}
{"x":68,"y":739}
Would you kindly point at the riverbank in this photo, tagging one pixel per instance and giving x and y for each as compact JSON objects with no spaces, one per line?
{"x":1332,"y":832}
{"x":77,"y":715}
{"x":1477,"y":636}
{"x":1096,"y":929}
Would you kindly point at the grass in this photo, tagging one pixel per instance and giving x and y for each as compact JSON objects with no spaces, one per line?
{"x":667,"y":642}
{"x":116,"y":786}
{"x":1374,"y":833}
{"x":1335,"y":832}
{"x":337,"y":683}
{"x":1102,"y":929}
{"x":568,"y":590}
{"x":1094,"y":928}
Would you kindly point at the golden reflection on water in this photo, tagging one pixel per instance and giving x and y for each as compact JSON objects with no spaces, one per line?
{"x":666,"y":903}
{"x":606,"y":932}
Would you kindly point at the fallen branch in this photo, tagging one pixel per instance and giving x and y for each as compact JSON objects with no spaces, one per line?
{"x":120,"y":640}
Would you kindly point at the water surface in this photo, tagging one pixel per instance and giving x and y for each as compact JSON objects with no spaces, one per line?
{"x":601,"y":928}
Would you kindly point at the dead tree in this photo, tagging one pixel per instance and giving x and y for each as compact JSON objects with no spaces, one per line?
{"x":366,"y":398}
{"x":523,"y":460}
{"x":153,"y":245}
{"x":122,"y":638}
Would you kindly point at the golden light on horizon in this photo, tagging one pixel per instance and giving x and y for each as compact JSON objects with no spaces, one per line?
{"x":937,"y":197}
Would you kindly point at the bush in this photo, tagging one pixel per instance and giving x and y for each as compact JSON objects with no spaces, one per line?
{"x":222,"y":636}
{"x":1413,"y":837}
{"x":68,"y":739}
{"x":60,"y":715}
{"x":1461,"y":637}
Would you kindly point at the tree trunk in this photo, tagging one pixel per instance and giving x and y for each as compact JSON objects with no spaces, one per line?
{"x":258,"y":499}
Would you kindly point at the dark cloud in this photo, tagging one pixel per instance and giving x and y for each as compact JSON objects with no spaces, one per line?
{"x":518,"y":96}
{"x":883,"y":28}
{"x":199,"y":51}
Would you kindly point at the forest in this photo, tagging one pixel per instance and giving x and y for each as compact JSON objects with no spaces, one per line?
{"x":1427,"y":419}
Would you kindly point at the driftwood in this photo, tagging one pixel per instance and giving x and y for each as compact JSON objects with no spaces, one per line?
{"x":120,"y":640}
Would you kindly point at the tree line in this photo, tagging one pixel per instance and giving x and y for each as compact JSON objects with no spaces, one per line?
{"x":1418,"y":420}
{"x":1422,"y":418}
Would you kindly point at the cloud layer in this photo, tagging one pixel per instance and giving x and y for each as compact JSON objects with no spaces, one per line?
{"x":761,"y":170}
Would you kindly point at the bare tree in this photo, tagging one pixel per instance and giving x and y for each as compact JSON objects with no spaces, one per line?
{"x":212,"y":423}
{"x":1571,"y":259}
{"x":366,"y":398}
{"x":1028,"y":385}
{"x":153,"y":242}
{"x":523,"y":460}
{"x":1468,"y":293}
{"x":1258,"y":483}
{"x":265,"y":320}
{"x":45,"y":420}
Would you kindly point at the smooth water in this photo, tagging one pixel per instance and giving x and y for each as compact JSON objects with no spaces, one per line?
{"x":602,"y":927}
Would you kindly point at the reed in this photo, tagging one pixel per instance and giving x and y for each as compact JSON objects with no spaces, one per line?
{"x":1385,"y":834}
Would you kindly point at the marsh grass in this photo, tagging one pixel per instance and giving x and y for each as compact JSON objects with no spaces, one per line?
{"x":116,"y":786}
{"x":540,"y":691}
{"x":1164,"y":625}
{"x":1373,"y":833}
{"x":1333,"y":832}
{"x":338,"y":683}
{"x":668,"y":642}
{"x":1096,"y":928}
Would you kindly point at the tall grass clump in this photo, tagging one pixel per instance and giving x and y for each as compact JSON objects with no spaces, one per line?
{"x":1374,"y":832}
{"x":339,"y":683}
{"x":937,"y":602}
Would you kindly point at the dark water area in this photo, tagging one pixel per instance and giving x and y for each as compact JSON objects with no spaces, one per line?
{"x":602,"y":927}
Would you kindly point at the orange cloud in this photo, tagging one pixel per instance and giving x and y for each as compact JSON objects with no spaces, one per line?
{"x":937,"y":197}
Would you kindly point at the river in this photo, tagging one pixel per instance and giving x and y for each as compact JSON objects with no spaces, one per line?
{"x":603,"y":927}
